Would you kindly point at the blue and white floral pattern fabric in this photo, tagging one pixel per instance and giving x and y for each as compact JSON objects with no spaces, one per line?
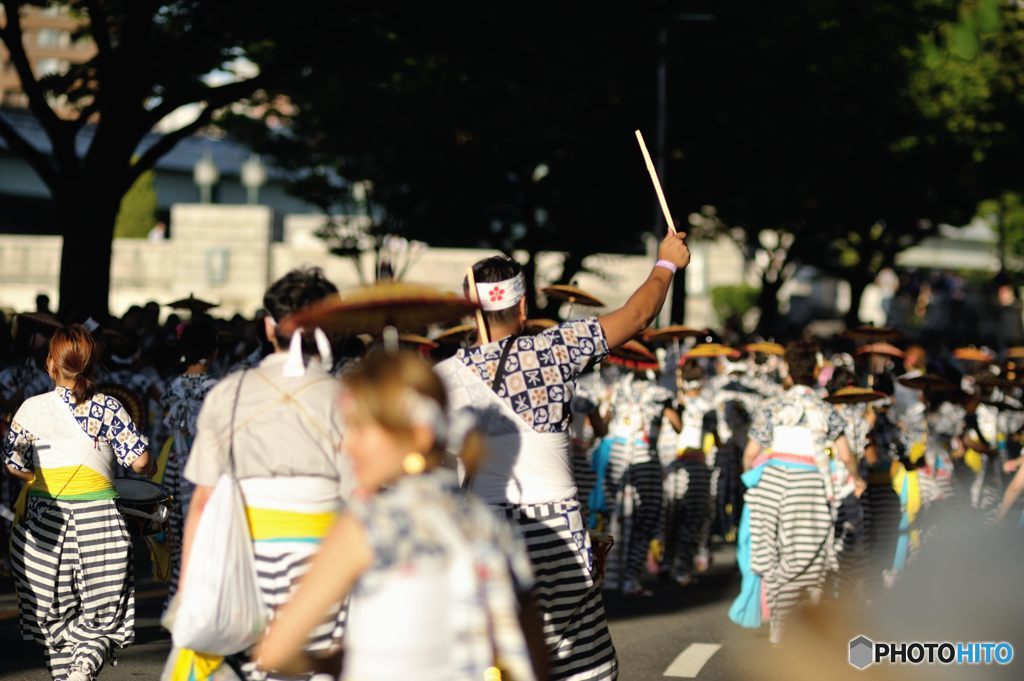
{"x":541,"y":370}
{"x":102,"y":418}
{"x":425,"y":527}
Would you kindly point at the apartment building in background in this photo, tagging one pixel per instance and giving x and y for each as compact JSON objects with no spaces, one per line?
{"x":48,"y":37}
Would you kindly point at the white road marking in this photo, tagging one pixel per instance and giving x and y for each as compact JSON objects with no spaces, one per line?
{"x":692,"y":660}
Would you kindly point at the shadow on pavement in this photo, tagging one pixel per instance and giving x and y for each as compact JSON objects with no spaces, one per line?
{"x":22,"y":656}
{"x":720,"y":583}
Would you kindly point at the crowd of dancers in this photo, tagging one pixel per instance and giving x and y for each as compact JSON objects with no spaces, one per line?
{"x":457,"y":514}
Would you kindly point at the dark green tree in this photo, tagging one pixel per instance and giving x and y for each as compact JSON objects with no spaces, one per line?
{"x":484,"y":125}
{"x":803,"y":122}
{"x":972,"y":81}
{"x":151,"y":59}
{"x":481,"y":124}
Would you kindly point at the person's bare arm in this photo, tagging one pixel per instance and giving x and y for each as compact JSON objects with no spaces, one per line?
{"x":871,"y":452}
{"x":343,"y":557}
{"x":144,"y":465}
{"x":646,"y":302}
{"x":850,"y":461}
{"x":751,"y":453}
{"x":25,"y":476}
{"x":200,"y":497}
{"x":1013,"y":491}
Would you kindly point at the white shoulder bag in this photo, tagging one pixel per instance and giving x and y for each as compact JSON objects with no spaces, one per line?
{"x":221,"y":610}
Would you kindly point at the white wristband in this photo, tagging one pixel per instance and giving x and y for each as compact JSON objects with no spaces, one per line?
{"x":667,"y":265}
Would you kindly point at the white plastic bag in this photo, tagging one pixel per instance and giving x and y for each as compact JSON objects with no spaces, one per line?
{"x":220,"y":611}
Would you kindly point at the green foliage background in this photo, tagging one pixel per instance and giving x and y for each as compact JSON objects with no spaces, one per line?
{"x":138,"y":209}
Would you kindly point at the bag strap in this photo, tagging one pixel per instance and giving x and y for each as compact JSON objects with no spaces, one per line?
{"x":499,"y":373}
{"x":499,"y":376}
{"x":231,"y":435}
{"x":81,"y":463}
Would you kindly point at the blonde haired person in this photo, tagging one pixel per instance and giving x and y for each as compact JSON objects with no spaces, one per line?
{"x":436,"y":580}
{"x":71,"y":551}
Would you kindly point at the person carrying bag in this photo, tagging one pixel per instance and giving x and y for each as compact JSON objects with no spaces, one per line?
{"x":221,"y":611}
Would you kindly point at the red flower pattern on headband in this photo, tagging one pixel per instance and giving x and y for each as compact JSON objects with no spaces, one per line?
{"x":497,"y":294}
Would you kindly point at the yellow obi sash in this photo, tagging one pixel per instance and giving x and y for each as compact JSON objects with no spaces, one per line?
{"x":71,"y":483}
{"x":917,"y":450}
{"x":195,"y":666}
{"x":271,"y":524}
{"x":910,"y":498}
{"x":709,"y":444}
{"x":973,"y":460}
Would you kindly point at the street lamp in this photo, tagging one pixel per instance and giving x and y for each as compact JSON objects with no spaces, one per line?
{"x":206,"y":175}
{"x":254,"y":176}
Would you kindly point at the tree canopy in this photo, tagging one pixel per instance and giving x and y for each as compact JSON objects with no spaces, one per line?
{"x":846,"y":130}
{"x":151,"y":59}
{"x":479,"y":124}
{"x":819,"y":120}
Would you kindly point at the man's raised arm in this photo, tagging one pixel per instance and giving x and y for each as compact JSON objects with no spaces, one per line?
{"x":646,"y":302}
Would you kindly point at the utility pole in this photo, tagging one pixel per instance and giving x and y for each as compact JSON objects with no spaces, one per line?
{"x":678,"y":304}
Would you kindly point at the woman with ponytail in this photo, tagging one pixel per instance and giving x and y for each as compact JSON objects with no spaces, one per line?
{"x":70,"y":548}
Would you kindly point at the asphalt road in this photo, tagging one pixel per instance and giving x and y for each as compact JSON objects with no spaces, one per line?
{"x":686,"y":633}
{"x":649,"y":633}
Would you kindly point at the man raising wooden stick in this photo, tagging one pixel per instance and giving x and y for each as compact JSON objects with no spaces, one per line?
{"x":519,"y":389}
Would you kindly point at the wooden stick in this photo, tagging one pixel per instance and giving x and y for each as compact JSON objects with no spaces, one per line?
{"x":474,"y":296}
{"x":656,"y":182}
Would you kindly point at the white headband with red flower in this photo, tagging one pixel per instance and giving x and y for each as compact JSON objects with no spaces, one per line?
{"x":501,"y":295}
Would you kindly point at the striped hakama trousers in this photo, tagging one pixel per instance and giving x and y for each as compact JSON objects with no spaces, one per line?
{"x":634,"y":482}
{"x":575,"y":628}
{"x":687,"y":513}
{"x":709,"y":518}
{"x":674,"y":483}
{"x":986,"y":487}
{"x":72,"y":564}
{"x":937,"y":490}
{"x":934,"y":489}
{"x":279,"y":567}
{"x":175,"y":521}
{"x":937,"y":479}
{"x":729,"y":502}
{"x":882,"y":514}
{"x":791,"y":531}
{"x":850,"y":545}
{"x":181,"y":498}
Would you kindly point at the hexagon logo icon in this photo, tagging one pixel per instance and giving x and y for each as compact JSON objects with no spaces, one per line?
{"x":862,"y":652}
